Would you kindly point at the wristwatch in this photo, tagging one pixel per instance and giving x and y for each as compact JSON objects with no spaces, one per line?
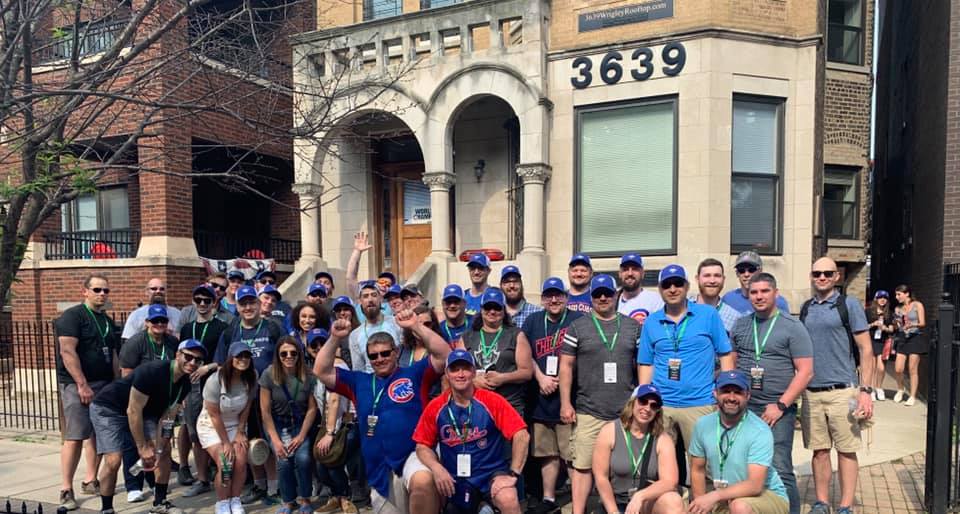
{"x":514,"y":474}
{"x":782,"y":406}
{"x":866,"y":389}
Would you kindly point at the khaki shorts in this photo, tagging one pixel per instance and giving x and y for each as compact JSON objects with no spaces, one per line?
{"x":552,"y":440}
{"x":683,"y":419}
{"x":397,"y":501}
{"x":76,"y":415}
{"x":768,"y":502}
{"x":582,"y":440}
{"x":827,"y":422}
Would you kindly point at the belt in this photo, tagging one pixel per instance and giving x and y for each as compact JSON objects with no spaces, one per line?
{"x":831,"y":387}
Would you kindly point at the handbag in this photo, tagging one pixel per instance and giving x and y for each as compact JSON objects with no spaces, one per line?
{"x":338,"y":449}
{"x":887,"y":348}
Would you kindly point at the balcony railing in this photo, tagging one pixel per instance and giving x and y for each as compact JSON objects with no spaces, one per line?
{"x":840,"y":219}
{"x":222,"y":245}
{"x":91,"y":244}
{"x":93,"y":39}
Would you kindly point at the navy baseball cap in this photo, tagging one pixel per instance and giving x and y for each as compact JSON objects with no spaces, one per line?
{"x":266,"y":273}
{"x":453,"y":291}
{"x":205,"y":289}
{"x":269,"y":289}
{"x":246,"y":292}
{"x":323,"y":274}
{"x":342,"y":301}
{"x":387,"y":274}
{"x":460,"y":356}
{"x":647,"y":390}
{"x":479,"y":259}
{"x":881,"y":294}
{"x":192,"y":344}
{"x":157,"y":311}
{"x":509,"y":270}
{"x":581,"y":259}
{"x":602,"y":282}
{"x":317,"y":333}
{"x":238,"y":347}
{"x":735,"y":377}
{"x":410,"y":290}
{"x":317,"y":290}
{"x":393,"y":290}
{"x":631,"y":258}
{"x":235,"y":273}
{"x":553,"y":284}
{"x":672,"y":271}
{"x":367,"y":284}
{"x":492,"y":295}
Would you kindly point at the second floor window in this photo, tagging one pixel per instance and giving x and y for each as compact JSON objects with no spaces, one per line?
{"x":845,"y":31}
{"x":755,"y":186}
{"x":107,"y":209}
{"x":841,"y":213}
{"x":376,"y":9}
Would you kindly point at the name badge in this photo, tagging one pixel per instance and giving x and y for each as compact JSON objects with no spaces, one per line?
{"x":756,"y":379}
{"x":720,"y":484}
{"x":463,"y":465}
{"x":553,"y":363}
{"x":107,"y":353}
{"x":166,"y":428}
{"x":877,"y":334}
{"x":372,"y":424}
{"x":673,"y":369}
{"x":609,"y":372}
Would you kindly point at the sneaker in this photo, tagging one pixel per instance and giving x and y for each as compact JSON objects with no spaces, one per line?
{"x":899,"y":396}
{"x":184,"y":477}
{"x":347,"y":507}
{"x":198,"y":487}
{"x":236,"y":506}
{"x":166,"y":508}
{"x":254,"y":495}
{"x":67,"y":500}
{"x":910,"y":402}
{"x":92,"y":487}
{"x":819,"y":508}
{"x":546,"y":507}
{"x":305,"y":508}
{"x":270,"y":499}
{"x":359,"y":494}
{"x":284,"y":509}
{"x":108,"y":511}
{"x":332,"y":505}
{"x":845,"y":510}
{"x":223,"y":507}
{"x":881,"y":396}
{"x":136,"y":496}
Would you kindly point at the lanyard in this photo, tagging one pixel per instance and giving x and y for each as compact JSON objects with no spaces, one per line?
{"x":378,"y":394}
{"x":553,"y":344}
{"x":249,"y":342}
{"x":485,"y":350}
{"x":609,"y":344}
{"x":446,"y":328}
{"x":203,"y":333}
{"x":725,"y":450}
{"x":719,"y":305}
{"x":758,"y":345}
{"x":366,"y":334}
{"x":678,"y":331}
{"x":413,"y":353}
{"x":170,"y":388}
{"x":162,"y":355}
{"x":102,"y":332}
{"x":465,"y":433}
{"x":635,"y":461}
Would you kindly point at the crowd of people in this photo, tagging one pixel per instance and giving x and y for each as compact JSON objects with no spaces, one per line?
{"x":660,"y":400}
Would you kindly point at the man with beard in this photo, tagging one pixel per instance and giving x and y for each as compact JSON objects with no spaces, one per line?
{"x":456,"y":321}
{"x":738,"y":447}
{"x":598,"y":355}
{"x":479,"y":269}
{"x":635,"y":302}
{"x":218,"y":283}
{"x":710,"y":280}
{"x":374,"y":320}
{"x":511,"y":283}
{"x":579,"y":273}
{"x":156,"y":292}
{"x":678,"y":348}
{"x":747,"y":264}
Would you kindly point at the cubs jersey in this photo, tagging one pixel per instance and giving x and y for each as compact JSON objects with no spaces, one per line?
{"x":640,"y":306}
{"x":580,"y":302}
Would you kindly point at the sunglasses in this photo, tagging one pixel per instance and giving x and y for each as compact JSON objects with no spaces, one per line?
{"x":673,"y":282}
{"x":289,"y":355}
{"x":827,"y":273}
{"x":98,"y":290}
{"x":267,"y":281}
{"x":219,"y":287}
{"x":243,"y":356}
{"x":492,"y":307}
{"x":235,"y":280}
{"x":647,"y":402}
{"x":746,"y":268}
{"x":187,"y":358}
{"x":158,"y":289}
{"x":602,"y":294}
{"x":315,"y":295}
{"x":379,"y":355}
{"x":202,"y":300}
{"x":159,"y":321}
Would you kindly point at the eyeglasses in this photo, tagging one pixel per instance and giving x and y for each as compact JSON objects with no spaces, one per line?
{"x":826,"y":273}
{"x":220,"y":287}
{"x":187,"y":357}
{"x":266,"y":281}
{"x":155,"y":289}
{"x":673,"y":282}
{"x":243,"y":356}
{"x":159,"y":321}
{"x":746,"y":268}
{"x":98,"y":290}
{"x":289,"y":355}
{"x":647,"y":402}
{"x":202,"y":300}
{"x":315,"y":295}
{"x":379,"y":355}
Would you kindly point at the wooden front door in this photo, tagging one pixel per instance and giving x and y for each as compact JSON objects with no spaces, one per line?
{"x":407,"y":215}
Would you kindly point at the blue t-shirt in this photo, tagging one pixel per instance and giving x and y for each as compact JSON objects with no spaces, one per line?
{"x":832,"y":362}
{"x":741,"y":302}
{"x":452,"y":334}
{"x":751,"y":442}
{"x":229,"y":307}
{"x":403,"y":396}
{"x":546,"y":340}
{"x":484,"y":428}
{"x":261,"y":339}
{"x":580,"y":302}
{"x":473,"y":302}
{"x":703,"y":338}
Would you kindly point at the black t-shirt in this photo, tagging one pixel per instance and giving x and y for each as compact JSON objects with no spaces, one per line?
{"x":262,"y":340}
{"x":153,"y":379}
{"x":208,"y":333}
{"x":544,"y":344}
{"x":140,"y":348}
{"x":98,"y":337}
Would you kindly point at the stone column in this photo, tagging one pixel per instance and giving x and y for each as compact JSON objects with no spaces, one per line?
{"x":440,"y":183}
{"x":309,"y":219}
{"x":533,"y":176}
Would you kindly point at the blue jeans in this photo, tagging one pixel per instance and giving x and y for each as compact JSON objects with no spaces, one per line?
{"x":783,"y":452}
{"x":296,"y":472}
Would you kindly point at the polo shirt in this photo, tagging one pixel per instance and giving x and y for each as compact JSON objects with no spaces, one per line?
{"x":741,"y":302}
{"x":832,"y":362}
{"x":703,"y":338}
{"x":787,"y":340}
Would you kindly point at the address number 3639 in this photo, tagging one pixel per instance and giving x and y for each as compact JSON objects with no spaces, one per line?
{"x":611,"y":68}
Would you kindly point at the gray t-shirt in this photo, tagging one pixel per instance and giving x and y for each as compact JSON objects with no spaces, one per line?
{"x":279,"y":404}
{"x":231,"y":401}
{"x":832,"y":362}
{"x":594,"y":395}
{"x":788,"y":340}
{"x":140,"y":348}
{"x":500,"y":357}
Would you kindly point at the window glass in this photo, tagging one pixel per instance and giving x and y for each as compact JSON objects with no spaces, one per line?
{"x":755,"y":184}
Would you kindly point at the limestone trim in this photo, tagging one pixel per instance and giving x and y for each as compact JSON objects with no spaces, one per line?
{"x":307,"y":189}
{"x":534,"y":173}
{"x":440,"y":88}
{"x":440,"y":181}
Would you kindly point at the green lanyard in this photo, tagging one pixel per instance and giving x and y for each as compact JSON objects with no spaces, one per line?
{"x":758,"y":345}
{"x":170,"y":388}
{"x":446,"y":328}
{"x":678,"y":332}
{"x":725,"y":451}
{"x":162,"y":355}
{"x":102,"y":332}
{"x":378,"y":394}
{"x":249,"y":342}
{"x":485,"y":350}
{"x":553,"y":344}
{"x":465,"y":433}
{"x":203,"y":334}
{"x":719,"y":305}
{"x":635,"y":461}
{"x":609,"y":344}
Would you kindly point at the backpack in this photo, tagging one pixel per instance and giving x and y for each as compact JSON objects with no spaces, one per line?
{"x":841,"y":306}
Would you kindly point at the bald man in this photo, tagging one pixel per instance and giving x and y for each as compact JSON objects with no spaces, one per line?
{"x":155,"y":292}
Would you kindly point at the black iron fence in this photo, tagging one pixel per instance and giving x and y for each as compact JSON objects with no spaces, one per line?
{"x":91,"y":38}
{"x":220,"y":245}
{"x":942,"y":481}
{"x":91,"y":244}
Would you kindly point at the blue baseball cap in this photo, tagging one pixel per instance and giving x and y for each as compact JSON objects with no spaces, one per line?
{"x":509,"y":270}
{"x":479,"y":259}
{"x":647,"y":390}
{"x":269,"y":289}
{"x":205,"y":289}
{"x":192,"y":344}
{"x":881,"y":294}
{"x":266,"y":273}
{"x":492,"y":295}
{"x":672,"y":271}
{"x":238,"y":347}
{"x":631,"y":258}
{"x":367,"y":284}
{"x":460,"y":355}
{"x":157,"y":311}
{"x":453,"y":291}
{"x":317,"y":333}
{"x":342,"y":301}
{"x":246,"y":292}
{"x":581,"y":259}
{"x":393,"y":290}
{"x":602,"y":282}
{"x":553,"y":284}
{"x":735,"y":377}
{"x":317,"y":290}
{"x":235,"y":273}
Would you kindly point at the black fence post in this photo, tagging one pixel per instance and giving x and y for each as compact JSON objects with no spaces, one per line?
{"x":940,"y":414}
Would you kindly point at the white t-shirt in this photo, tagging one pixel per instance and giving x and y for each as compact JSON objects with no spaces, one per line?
{"x":320,"y":394}
{"x":640,"y":306}
{"x":359,"y":336}
{"x":231,"y":403}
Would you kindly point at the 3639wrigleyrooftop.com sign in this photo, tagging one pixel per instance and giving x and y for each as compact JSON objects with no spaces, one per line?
{"x":625,"y":15}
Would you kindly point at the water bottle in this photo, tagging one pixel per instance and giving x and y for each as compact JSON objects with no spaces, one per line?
{"x":285,"y":437}
{"x":137,"y":467}
{"x":226,"y":470}
{"x":485,"y":508}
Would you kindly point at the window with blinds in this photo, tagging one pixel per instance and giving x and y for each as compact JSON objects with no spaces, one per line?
{"x":757,"y":165}
{"x":626,"y":165}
